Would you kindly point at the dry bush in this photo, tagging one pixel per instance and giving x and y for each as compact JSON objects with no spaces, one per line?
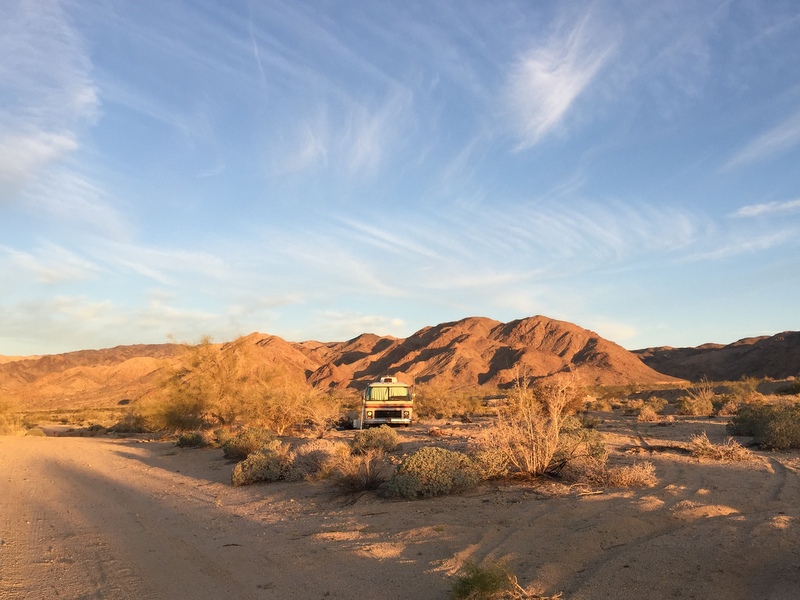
{"x":433,"y":471}
{"x":321,"y":411}
{"x":596,"y":471}
{"x":440,"y":401}
{"x":647,"y":415}
{"x":745,"y":391}
{"x":731,"y":450}
{"x":773,"y":426}
{"x":191,"y":439}
{"x":361,"y":472}
{"x":728,"y":408}
{"x":384,"y":438}
{"x":528,"y":427}
{"x":10,"y":422}
{"x":639,"y":475}
{"x":270,"y":463}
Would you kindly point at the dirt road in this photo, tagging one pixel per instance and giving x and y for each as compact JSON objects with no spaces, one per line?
{"x":117,"y":519}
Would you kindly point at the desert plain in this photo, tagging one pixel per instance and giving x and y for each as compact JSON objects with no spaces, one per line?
{"x":139,"y":517}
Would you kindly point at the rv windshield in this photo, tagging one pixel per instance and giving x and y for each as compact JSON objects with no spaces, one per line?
{"x":388,"y":393}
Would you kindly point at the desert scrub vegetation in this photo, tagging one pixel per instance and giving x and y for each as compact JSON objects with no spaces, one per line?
{"x":244,"y":443}
{"x":772,"y":426}
{"x":383,"y":438}
{"x":10,"y":421}
{"x":433,"y":471}
{"x":360,"y":472}
{"x":221,"y":386}
{"x":490,"y":581}
{"x":270,"y":463}
{"x":730,"y":450}
{"x":440,"y":401}
{"x":534,"y":432}
{"x":699,"y":400}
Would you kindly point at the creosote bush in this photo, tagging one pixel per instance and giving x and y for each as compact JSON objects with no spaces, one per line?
{"x":270,"y":463}
{"x":433,"y":471}
{"x":10,"y":423}
{"x":246,"y":442}
{"x":384,"y":438}
{"x":191,"y":439}
{"x":773,"y":426}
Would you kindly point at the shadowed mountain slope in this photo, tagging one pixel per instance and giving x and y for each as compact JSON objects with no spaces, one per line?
{"x":776,"y":356}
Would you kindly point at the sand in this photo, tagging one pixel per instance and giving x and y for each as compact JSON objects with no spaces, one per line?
{"x":124,"y":518}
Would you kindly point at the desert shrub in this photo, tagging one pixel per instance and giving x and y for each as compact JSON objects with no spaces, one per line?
{"x":528,"y":429}
{"x":321,"y":411}
{"x":699,"y":401}
{"x":745,"y":391}
{"x":440,"y":401}
{"x":602,"y":405}
{"x":491,"y":462}
{"x":360,"y":472}
{"x":383,"y":437}
{"x":632,"y":406}
{"x":639,"y":475}
{"x":10,"y":423}
{"x":774,"y":426}
{"x":433,"y":471}
{"x":271,"y":463}
{"x":191,"y":439}
{"x":35,"y":432}
{"x":647,"y":414}
{"x":246,"y":442}
{"x":315,"y":459}
{"x":701,"y":447}
{"x":727,"y":407}
{"x":482,"y":582}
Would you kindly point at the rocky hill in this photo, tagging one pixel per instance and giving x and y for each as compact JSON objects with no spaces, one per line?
{"x":471,"y":352}
{"x":776,"y":356}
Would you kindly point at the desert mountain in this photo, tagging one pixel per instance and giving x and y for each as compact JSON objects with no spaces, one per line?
{"x":471,"y":352}
{"x":776,"y":356}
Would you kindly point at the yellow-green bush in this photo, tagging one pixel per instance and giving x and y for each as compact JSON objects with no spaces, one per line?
{"x":433,"y":471}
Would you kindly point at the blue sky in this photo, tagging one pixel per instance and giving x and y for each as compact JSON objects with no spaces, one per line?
{"x":316,"y":170}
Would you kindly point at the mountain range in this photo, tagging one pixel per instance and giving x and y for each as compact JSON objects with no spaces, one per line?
{"x":472,"y":352}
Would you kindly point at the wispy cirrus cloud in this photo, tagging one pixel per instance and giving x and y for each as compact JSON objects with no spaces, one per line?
{"x":775,"y":141}
{"x":767,"y":209}
{"x":46,"y":90}
{"x":545,"y":81}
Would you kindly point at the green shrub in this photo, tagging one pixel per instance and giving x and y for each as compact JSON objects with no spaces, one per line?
{"x":774,"y":426}
{"x":384,"y":438}
{"x":316,"y":459}
{"x":246,"y":442}
{"x":483,"y":582}
{"x":191,"y":439}
{"x":433,"y":471}
{"x":492,"y":463}
{"x":270,"y":463}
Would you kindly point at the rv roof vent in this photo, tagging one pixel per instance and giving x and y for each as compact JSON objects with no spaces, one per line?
{"x":388,"y":379}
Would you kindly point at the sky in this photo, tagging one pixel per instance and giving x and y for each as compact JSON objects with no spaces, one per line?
{"x":171,"y":169}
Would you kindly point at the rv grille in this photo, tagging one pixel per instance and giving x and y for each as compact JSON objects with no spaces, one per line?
{"x":388,"y":414}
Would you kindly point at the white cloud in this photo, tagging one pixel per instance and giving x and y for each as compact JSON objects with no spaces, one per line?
{"x":546,"y":81}
{"x":775,"y":141}
{"x":52,"y":264}
{"x":768,"y":209}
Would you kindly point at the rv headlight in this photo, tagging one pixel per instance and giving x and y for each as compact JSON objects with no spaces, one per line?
{"x":405,"y":414}
{"x":369,"y":414}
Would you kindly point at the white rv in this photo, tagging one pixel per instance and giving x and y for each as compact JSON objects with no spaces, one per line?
{"x":386,"y":401}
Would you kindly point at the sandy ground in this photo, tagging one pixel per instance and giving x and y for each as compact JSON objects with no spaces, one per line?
{"x":106,"y":518}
